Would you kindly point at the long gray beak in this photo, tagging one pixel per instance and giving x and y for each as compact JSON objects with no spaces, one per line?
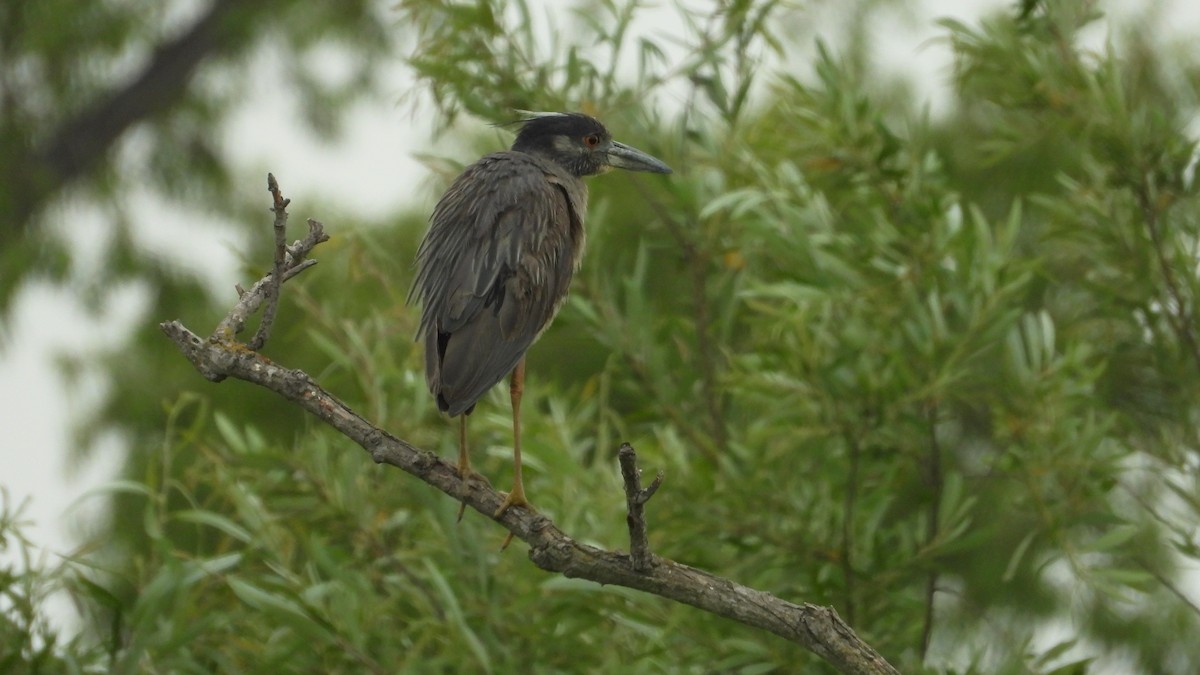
{"x":624,"y":157}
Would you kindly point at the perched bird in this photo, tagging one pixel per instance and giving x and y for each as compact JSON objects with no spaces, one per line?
{"x":496,"y":263}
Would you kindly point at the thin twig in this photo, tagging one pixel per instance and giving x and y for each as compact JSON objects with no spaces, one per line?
{"x":1153,"y":512}
{"x":849,"y":508}
{"x":1180,"y":318}
{"x":706,"y":355}
{"x":935,"y":506}
{"x":635,"y":506}
{"x":1170,"y":586}
{"x":279,"y":207}
{"x":250,"y":300}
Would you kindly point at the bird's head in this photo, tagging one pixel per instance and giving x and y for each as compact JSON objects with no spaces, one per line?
{"x":581,"y":145}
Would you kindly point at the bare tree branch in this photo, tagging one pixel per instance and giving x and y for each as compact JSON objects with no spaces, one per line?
{"x":635,"y":500}
{"x":817,"y":628}
{"x":279,"y":208}
{"x":82,"y":141}
{"x":249,"y":301}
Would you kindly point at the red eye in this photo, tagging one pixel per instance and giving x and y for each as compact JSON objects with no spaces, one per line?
{"x":591,"y":140}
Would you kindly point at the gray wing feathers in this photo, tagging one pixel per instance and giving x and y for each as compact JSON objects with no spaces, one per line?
{"x":492,"y":271}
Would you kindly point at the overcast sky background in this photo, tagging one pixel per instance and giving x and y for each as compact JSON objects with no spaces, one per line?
{"x":369,"y":171}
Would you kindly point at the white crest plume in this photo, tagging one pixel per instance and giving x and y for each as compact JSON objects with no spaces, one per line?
{"x":535,"y":114}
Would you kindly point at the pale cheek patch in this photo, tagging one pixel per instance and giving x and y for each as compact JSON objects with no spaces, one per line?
{"x":564,"y":144}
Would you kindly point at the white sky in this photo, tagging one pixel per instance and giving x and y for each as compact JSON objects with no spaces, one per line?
{"x":372,"y":172}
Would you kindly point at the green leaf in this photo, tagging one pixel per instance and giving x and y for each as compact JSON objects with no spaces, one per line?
{"x":1114,"y":538}
{"x":214,"y":520}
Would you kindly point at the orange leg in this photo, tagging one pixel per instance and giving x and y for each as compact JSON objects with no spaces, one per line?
{"x":516,"y":387}
{"x":464,"y":460}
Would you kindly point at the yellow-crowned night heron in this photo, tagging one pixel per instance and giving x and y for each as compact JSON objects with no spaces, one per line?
{"x":495,"y":265}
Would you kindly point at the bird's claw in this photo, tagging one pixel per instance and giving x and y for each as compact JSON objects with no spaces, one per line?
{"x":469,"y":476}
{"x":511,"y":499}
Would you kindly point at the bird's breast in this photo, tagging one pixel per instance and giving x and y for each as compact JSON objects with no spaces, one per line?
{"x":576,"y":193}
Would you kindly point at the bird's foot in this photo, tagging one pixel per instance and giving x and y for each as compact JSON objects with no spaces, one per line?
{"x":469,"y":476}
{"x":511,"y":499}
{"x":507,"y":541}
